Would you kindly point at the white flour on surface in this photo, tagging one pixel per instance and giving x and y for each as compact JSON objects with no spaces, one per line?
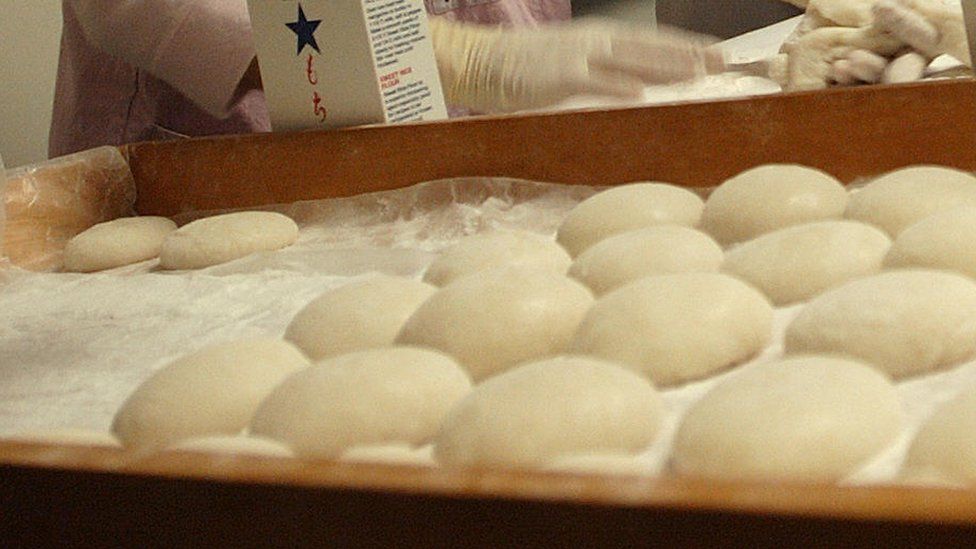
{"x":72,"y":347}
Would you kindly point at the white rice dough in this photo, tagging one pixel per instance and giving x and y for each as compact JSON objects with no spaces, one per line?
{"x":494,"y":320}
{"x":117,"y":243}
{"x":662,"y":249}
{"x":485,"y":251}
{"x":809,"y":419}
{"x":222,"y":238}
{"x":677,"y":328}
{"x":627,"y":208}
{"x":376,"y":397}
{"x":904,"y":197}
{"x":67,"y":437}
{"x":362,"y":315}
{"x":390,"y":454}
{"x":944,"y":241}
{"x":905,"y":323}
{"x":541,"y":411}
{"x":600,"y":465}
{"x":233,"y":446}
{"x":945,"y":447}
{"x":771,"y":197}
{"x":214,"y":391}
{"x":797,"y":263}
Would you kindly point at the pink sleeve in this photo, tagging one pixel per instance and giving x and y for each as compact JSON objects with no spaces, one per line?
{"x":200,"y":47}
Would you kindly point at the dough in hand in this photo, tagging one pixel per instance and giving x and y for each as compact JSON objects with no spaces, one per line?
{"x":233,"y":446}
{"x":213,"y":391}
{"x":771,"y":197}
{"x":797,"y":263}
{"x":944,"y":241}
{"x":902,"y":198}
{"x":494,"y":320}
{"x":946,"y":445}
{"x":903,"y":322}
{"x":627,"y":208}
{"x":116,"y":244}
{"x":362,"y":315}
{"x":677,"y":328}
{"x":538,"y":412}
{"x":809,"y":419}
{"x":222,"y":238}
{"x":485,"y":251}
{"x":662,"y":249}
{"x":376,"y":397}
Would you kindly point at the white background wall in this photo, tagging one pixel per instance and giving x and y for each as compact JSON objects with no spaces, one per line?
{"x":30,"y":33}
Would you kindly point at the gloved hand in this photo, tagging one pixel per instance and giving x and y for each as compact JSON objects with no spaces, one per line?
{"x":931,"y":27}
{"x":494,"y":69}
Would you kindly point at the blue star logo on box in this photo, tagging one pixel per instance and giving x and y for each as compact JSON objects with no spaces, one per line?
{"x":305,"y":30}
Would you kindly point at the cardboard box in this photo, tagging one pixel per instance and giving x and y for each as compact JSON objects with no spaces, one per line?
{"x":337,"y":63}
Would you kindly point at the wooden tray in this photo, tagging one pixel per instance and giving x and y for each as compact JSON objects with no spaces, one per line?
{"x":66,"y":495}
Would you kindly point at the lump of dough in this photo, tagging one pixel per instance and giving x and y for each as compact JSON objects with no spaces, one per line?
{"x":946,"y":444}
{"x":944,"y":241}
{"x":809,"y":419}
{"x":233,"y":445}
{"x":534,"y":414}
{"x":797,"y":263}
{"x":627,"y":208}
{"x":358,"y":316}
{"x":390,"y":454}
{"x":380,"y":396}
{"x":117,"y":243}
{"x":771,"y":197}
{"x":902,"y":198}
{"x":222,"y":238}
{"x":485,"y":251}
{"x":67,"y":437}
{"x":677,"y":328}
{"x":663,"y":249}
{"x":903,"y":322}
{"x":494,"y":320}
{"x":213,"y":391}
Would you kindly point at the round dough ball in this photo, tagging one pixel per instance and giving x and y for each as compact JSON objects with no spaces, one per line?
{"x":222,"y":238}
{"x":67,"y":437}
{"x":117,"y":243}
{"x":233,"y":445}
{"x":600,"y":464}
{"x":771,"y":197}
{"x":797,"y":263}
{"x":214,"y":391}
{"x":391,"y":454}
{"x":482,"y":252}
{"x":946,"y":444}
{"x":495,"y":320}
{"x":810,"y":419}
{"x":903,"y":322}
{"x":678,"y":328}
{"x":538,"y":412}
{"x":943,"y":241}
{"x":627,"y":208}
{"x":380,"y":396}
{"x":626,"y":257}
{"x":358,"y":316}
{"x":902,"y":198}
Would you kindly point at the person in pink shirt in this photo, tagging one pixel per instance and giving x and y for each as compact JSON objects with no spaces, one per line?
{"x":138,"y":70}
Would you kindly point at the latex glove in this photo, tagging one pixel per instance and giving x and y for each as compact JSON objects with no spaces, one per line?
{"x":931,"y":27}
{"x":509,"y":69}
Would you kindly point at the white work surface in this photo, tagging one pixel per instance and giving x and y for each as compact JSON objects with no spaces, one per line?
{"x":72,"y":347}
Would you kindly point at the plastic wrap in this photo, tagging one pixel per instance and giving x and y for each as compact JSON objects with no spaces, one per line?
{"x":45,"y":205}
